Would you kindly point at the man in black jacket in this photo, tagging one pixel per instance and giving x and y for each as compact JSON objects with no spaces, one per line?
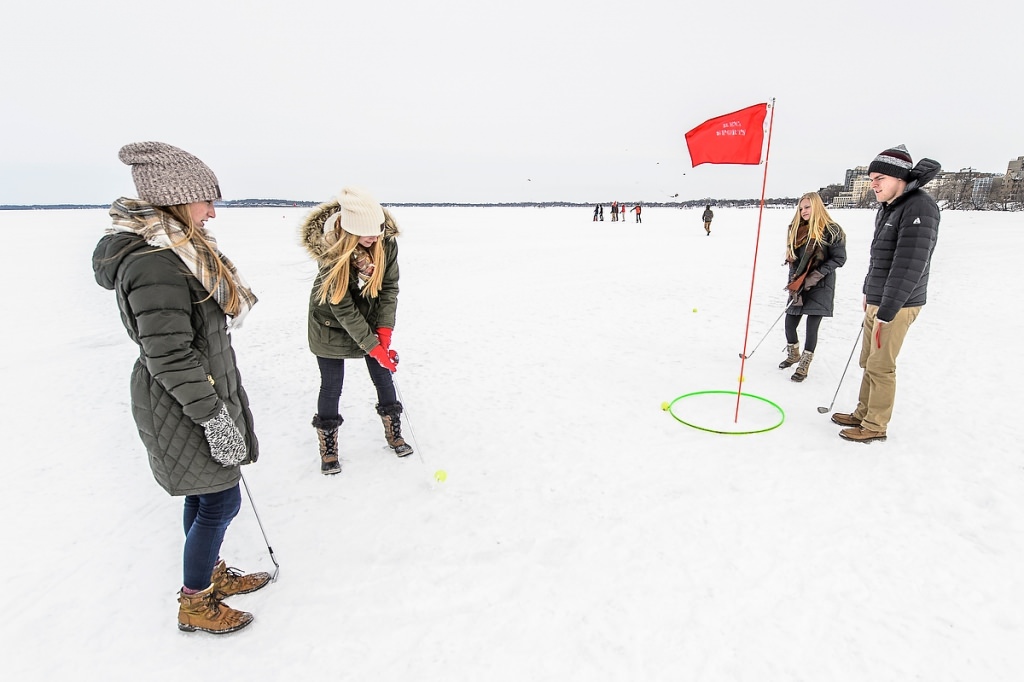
{"x":896,"y":286}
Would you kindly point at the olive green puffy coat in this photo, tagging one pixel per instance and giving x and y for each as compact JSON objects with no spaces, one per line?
{"x":186,"y":366}
{"x":347,"y":330}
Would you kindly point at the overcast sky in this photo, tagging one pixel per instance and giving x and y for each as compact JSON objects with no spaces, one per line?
{"x":462,"y":100}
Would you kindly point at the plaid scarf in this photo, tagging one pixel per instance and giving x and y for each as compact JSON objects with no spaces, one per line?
{"x":362,"y":261}
{"x":162,"y":231}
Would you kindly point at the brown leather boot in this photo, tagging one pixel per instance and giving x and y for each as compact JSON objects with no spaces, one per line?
{"x":228,"y":581}
{"x":391,"y":417}
{"x":844,"y":419}
{"x":203,"y":611}
{"x":858,"y":434}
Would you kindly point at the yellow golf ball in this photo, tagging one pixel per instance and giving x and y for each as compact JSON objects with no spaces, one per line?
{"x":664,"y":406}
{"x":694,"y":310}
{"x":440,"y":476}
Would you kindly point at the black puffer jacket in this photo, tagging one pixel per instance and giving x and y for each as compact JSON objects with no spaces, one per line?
{"x":186,"y":367}
{"x":906,"y":230}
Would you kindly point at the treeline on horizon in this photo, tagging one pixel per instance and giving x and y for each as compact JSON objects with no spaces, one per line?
{"x":787,"y":202}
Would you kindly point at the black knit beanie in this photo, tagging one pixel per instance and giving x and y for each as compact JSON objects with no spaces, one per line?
{"x":895,"y":162}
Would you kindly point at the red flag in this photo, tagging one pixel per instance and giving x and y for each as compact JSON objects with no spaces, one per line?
{"x":732,"y":138}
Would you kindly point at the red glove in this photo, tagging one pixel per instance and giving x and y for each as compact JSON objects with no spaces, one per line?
{"x":381,"y":355}
{"x":384,"y":336}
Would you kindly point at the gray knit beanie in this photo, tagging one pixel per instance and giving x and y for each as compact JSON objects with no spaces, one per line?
{"x":895,"y":162}
{"x":166,"y":176}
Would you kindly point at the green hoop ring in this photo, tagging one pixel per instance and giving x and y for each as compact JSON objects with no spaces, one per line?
{"x":782,"y":414}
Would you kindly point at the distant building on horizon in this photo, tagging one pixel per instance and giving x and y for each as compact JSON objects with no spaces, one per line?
{"x":855,"y":189}
{"x":965,"y":188}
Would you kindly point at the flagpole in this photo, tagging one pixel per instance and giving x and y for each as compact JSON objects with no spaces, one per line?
{"x":753,"y":271}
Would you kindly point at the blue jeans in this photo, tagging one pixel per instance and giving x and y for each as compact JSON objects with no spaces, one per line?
{"x":332,"y":377}
{"x":206,"y":520}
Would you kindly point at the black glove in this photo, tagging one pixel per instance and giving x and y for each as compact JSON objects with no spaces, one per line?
{"x":227,"y":445}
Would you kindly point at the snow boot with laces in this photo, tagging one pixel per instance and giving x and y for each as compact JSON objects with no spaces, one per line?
{"x":391,"y":416}
{"x":327,"y":432}
{"x":203,"y":611}
{"x":228,"y":581}
{"x":794,"y":355}
{"x":801,"y":369}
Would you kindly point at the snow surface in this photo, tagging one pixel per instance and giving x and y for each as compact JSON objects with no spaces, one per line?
{"x":582,"y":533}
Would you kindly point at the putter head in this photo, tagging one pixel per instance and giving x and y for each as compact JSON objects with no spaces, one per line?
{"x":822,"y":410}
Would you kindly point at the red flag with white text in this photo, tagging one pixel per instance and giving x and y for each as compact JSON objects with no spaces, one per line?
{"x":731,"y":138}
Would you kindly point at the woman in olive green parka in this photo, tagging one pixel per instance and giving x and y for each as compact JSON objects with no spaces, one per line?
{"x":178,"y":295}
{"x":352,"y":307}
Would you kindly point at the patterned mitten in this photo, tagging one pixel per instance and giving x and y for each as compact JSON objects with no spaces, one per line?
{"x":227,"y":445}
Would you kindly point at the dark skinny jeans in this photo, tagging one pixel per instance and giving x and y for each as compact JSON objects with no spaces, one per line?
{"x":811,"y":340}
{"x":332,"y":378}
{"x":206,"y":520}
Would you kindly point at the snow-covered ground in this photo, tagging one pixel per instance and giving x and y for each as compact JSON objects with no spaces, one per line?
{"x":582,"y":532}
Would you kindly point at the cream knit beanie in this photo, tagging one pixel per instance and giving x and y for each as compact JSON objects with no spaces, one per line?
{"x":360,"y":214}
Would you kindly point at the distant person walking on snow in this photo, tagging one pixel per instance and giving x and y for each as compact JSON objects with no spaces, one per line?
{"x":815,"y":249}
{"x":622,"y":211}
{"x":637,"y":210}
{"x":597,"y":210}
{"x":352,"y":310}
{"x":615,"y":211}
{"x":896,"y":286}
{"x":707,"y":216}
{"x":179,"y":296}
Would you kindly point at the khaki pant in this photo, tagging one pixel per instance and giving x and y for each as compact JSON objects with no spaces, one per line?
{"x":878,"y":385}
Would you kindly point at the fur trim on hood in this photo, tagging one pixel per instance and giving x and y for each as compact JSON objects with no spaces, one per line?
{"x":311,"y":231}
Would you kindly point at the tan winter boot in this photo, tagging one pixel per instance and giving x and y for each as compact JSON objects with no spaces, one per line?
{"x":327,"y":432}
{"x":228,"y":581}
{"x":801,"y":370}
{"x":794,"y":355}
{"x":203,"y":611}
{"x":391,"y":416}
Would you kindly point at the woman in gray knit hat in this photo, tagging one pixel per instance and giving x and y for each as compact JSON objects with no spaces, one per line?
{"x":352,"y":310}
{"x":178,"y":296}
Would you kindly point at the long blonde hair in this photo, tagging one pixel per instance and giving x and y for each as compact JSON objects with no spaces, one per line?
{"x":819,"y":225}
{"x":196,"y":234}
{"x":338,"y":257}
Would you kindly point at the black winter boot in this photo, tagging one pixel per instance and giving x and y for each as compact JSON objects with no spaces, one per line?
{"x":327,"y":432}
{"x":391,"y":416}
